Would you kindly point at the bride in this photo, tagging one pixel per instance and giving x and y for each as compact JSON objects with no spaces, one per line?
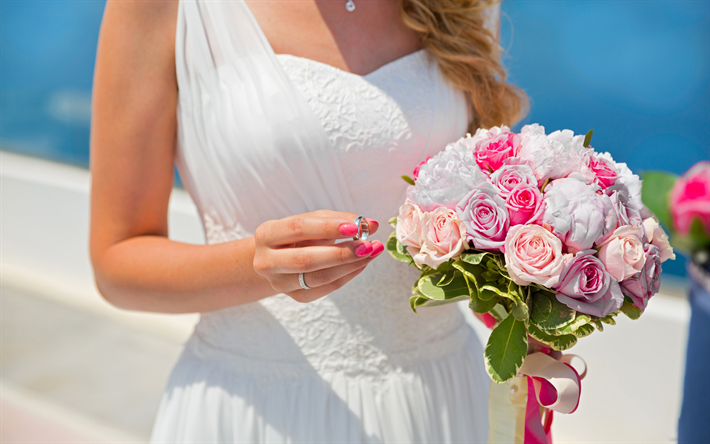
{"x":287,"y":120}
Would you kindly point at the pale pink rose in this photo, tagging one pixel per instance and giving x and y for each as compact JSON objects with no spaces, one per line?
{"x":485,"y":216}
{"x":533,"y":254}
{"x":443,"y":240}
{"x":410,"y":225}
{"x":622,"y":254}
{"x":690,"y":198}
{"x":415,"y":173}
{"x":586,"y":286}
{"x":656,"y":236}
{"x":604,"y":171}
{"x":509,"y":176}
{"x":640,"y":288}
{"x":524,"y":204}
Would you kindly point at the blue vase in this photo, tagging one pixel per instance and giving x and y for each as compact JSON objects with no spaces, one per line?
{"x":694,"y":421}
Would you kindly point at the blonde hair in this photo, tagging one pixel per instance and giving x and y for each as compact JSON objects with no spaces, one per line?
{"x":468,"y":55}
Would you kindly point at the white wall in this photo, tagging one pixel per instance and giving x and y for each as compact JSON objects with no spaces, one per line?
{"x":631,"y":394}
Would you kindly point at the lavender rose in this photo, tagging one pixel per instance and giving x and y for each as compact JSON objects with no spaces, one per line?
{"x":647,"y":283}
{"x":577,"y":214}
{"x":485,"y":216}
{"x":586,"y":286}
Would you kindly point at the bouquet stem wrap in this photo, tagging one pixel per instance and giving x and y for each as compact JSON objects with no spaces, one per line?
{"x":516,"y":417}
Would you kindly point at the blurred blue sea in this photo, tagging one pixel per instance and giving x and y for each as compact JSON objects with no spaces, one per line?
{"x":637,"y":72}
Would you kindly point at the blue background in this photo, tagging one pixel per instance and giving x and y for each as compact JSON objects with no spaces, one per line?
{"x":637,"y":72}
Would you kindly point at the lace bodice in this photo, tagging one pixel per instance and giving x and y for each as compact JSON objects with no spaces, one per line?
{"x":374,"y":129}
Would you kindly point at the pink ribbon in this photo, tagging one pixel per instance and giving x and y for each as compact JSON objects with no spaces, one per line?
{"x":557,"y":387}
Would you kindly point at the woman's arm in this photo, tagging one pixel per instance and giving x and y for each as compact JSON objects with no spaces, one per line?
{"x":132,"y":149}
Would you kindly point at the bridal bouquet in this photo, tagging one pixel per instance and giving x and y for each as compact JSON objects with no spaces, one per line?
{"x":543,"y":235}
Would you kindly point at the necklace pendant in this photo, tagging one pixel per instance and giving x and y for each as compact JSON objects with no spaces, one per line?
{"x":350,"y":6}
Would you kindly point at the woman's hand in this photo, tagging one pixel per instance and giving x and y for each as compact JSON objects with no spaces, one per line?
{"x":306,"y":243}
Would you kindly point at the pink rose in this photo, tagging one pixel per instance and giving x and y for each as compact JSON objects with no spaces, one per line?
{"x":410,"y":225}
{"x":586,"y":286}
{"x":605,"y":173}
{"x":622,"y":254}
{"x":491,"y":152}
{"x":443,"y":240}
{"x":483,"y":213}
{"x":508,"y":177}
{"x":524,"y":204}
{"x":640,"y":288}
{"x":415,"y":173}
{"x":690,"y":198}
{"x":656,"y":236}
{"x":533,"y":254}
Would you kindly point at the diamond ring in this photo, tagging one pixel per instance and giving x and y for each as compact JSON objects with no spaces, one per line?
{"x":302,"y":281}
{"x":363,"y":228}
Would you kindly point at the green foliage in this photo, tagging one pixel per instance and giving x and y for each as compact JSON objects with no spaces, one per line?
{"x":393,"y":222}
{"x":656,"y":190}
{"x":556,"y":342}
{"x":696,"y":239}
{"x":588,"y":138}
{"x":630,"y":310}
{"x":408,"y":179}
{"x":443,"y":286}
{"x":397,"y":250}
{"x":549,"y":314}
{"x":506,"y":349}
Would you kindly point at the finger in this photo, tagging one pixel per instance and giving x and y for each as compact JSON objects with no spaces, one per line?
{"x":324,"y":290}
{"x":299,"y":228}
{"x":318,"y":257}
{"x":319,"y":278}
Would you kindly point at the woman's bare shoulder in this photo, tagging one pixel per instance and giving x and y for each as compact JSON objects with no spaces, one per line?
{"x":149,"y":24}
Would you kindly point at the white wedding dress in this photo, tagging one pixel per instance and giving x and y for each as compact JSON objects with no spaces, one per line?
{"x":264,"y":136}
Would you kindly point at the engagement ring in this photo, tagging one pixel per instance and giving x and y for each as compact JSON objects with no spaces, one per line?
{"x":363,"y":228}
{"x":302,"y":281}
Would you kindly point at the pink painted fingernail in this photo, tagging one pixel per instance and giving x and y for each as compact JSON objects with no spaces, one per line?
{"x":377,"y":249}
{"x":348,"y":229}
{"x":363,"y":249}
{"x":372,"y":221}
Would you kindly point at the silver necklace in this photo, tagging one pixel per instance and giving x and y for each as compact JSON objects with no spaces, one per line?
{"x":350,"y":6}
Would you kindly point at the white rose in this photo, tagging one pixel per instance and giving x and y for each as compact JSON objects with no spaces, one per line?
{"x":553,"y":156}
{"x":447,"y":177}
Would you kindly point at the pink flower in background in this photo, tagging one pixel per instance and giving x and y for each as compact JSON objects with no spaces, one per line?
{"x":443,"y":240}
{"x":485,"y":216}
{"x":524,"y":204}
{"x":491,"y":152}
{"x":647,"y":283}
{"x":586,"y":286}
{"x":533,"y":254}
{"x":508,"y":177}
{"x":623,"y":253}
{"x":690,"y":198}
{"x":410,"y":225}
{"x":415,"y":173}
{"x":604,"y":171}
{"x":656,"y":236}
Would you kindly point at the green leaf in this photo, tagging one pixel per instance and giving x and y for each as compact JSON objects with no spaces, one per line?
{"x":473,"y":258}
{"x":695,"y":240}
{"x":457,"y":287}
{"x":393,"y":222}
{"x":397,"y":250}
{"x":446,"y":278}
{"x":506,"y":349}
{"x":548,"y":313}
{"x":588,"y":138}
{"x":417,"y":301}
{"x":584,"y":330}
{"x":556,"y":342}
{"x":655,"y":193}
{"x":408,"y":179}
{"x":630,"y":310}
